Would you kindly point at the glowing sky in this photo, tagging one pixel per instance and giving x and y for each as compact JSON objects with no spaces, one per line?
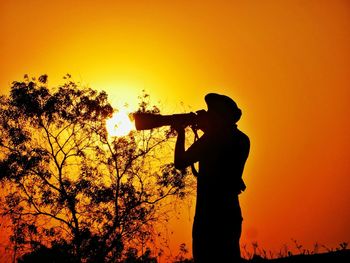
{"x":286,"y":63}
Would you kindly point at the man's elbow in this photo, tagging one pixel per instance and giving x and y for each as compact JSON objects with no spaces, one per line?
{"x":179,"y":164}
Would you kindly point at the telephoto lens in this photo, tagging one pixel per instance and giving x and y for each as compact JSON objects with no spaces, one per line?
{"x":147,"y":121}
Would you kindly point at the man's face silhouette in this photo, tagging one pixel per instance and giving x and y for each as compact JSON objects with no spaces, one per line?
{"x":210,"y":121}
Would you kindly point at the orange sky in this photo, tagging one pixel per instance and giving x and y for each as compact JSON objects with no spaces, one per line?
{"x":286,"y":63}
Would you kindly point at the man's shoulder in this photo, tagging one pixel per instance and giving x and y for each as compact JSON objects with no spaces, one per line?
{"x":244,"y":137}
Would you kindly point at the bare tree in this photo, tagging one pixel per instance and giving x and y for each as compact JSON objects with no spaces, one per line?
{"x":88,"y":197}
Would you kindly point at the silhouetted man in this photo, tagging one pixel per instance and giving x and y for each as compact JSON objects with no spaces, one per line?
{"x":222,"y":152}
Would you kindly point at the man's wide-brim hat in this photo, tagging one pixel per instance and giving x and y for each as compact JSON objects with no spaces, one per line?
{"x":224,"y":106}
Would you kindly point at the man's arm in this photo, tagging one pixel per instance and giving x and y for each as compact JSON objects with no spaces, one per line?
{"x":184,"y":158}
{"x":179,"y":159}
{"x":244,"y":156}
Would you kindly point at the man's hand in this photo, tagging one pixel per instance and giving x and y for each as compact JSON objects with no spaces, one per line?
{"x":179,"y":128}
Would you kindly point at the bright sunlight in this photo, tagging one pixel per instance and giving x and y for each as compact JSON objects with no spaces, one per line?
{"x":119,"y":124}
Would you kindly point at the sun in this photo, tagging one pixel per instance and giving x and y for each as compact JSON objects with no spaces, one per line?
{"x":119,"y":124}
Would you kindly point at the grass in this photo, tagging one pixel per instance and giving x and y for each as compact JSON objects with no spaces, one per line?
{"x":297,"y":254}
{"x":256,"y":254}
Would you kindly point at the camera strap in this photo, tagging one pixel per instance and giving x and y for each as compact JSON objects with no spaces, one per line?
{"x":196,"y":137}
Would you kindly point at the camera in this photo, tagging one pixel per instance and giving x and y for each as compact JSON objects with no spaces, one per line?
{"x":147,"y":121}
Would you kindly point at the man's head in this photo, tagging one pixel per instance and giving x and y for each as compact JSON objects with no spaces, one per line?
{"x":223,"y":107}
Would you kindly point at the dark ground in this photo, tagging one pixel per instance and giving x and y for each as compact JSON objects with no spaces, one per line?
{"x":341,"y":256}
